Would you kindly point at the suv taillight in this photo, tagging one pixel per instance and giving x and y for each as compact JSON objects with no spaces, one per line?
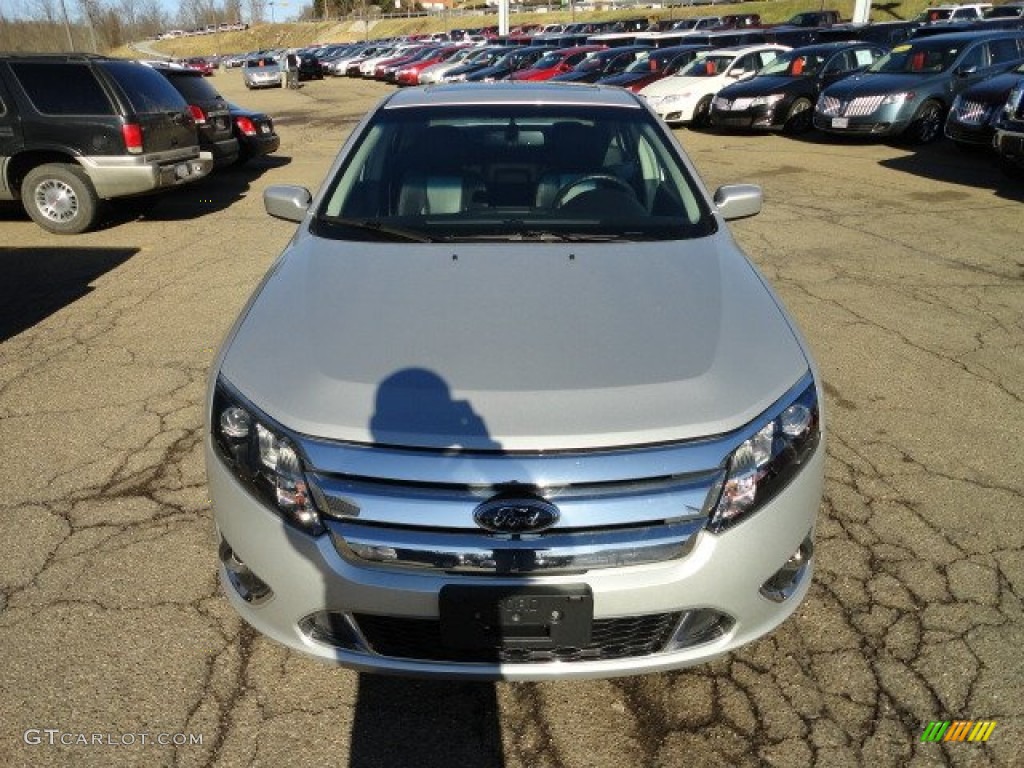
{"x":197,"y":114}
{"x":132,"y":133}
{"x":245,"y":125}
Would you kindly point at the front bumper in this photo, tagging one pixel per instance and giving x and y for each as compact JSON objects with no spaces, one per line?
{"x":755,"y":118}
{"x":886,"y":120}
{"x":1009,"y":144}
{"x":722,"y":574}
{"x":970,"y":133}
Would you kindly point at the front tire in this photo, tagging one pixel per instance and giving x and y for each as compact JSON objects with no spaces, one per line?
{"x":702,"y":113}
{"x":60,"y":198}
{"x":799,"y":119}
{"x":926,"y":126}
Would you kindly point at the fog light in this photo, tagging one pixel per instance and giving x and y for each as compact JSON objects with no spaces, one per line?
{"x":785,"y":580}
{"x":335,"y":629}
{"x":247,"y":584}
{"x":701,"y":625}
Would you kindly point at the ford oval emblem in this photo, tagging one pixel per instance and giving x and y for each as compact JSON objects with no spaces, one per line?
{"x":509,"y":514}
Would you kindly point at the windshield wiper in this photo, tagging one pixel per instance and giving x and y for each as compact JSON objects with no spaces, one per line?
{"x":541,"y":236}
{"x":377,"y":226}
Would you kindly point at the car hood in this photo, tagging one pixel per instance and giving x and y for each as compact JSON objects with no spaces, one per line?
{"x":764,"y":85}
{"x":877,"y":84}
{"x":517,"y":346}
{"x":994,"y":89}
{"x":678,"y":84}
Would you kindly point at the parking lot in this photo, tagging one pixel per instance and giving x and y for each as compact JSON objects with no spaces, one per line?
{"x":905,"y":270}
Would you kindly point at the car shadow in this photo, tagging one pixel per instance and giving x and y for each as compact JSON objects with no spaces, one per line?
{"x":426,"y":723}
{"x":40,"y":281}
{"x":217,"y":192}
{"x":944,"y":162}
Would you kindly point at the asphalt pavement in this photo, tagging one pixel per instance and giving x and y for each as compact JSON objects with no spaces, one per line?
{"x":904,"y":268}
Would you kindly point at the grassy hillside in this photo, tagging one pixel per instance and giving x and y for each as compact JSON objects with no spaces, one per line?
{"x":301,"y":34}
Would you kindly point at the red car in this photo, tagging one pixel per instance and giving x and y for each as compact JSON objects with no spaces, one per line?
{"x":201,"y":65}
{"x":555,"y":63}
{"x":410,"y":73}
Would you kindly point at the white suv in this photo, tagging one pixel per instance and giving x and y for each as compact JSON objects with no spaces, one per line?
{"x":686,"y":96}
{"x":953,"y":13}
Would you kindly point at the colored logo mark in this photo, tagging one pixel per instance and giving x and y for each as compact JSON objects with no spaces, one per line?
{"x":958,"y":730}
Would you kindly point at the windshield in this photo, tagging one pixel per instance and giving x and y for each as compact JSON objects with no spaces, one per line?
{"x":513,"y":172}
{"x":549,"y":60}
{"x":917,"y":59}
{"x":793,"y":64}
{"x":706,"y":66}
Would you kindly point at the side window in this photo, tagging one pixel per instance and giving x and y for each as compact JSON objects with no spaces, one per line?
{"x":1002,"y":51}
{"x":974,"y":59}
{"x":765,"y":58}
{"x":746,"y":63}
{"x":62,"y":88}
{"x":147,"y":90}
{"x":838,"y":63}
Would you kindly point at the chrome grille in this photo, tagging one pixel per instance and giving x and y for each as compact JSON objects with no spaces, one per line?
{"x":829,"y":105}
{"x":863,"y":105}
{"x":972,"y":112}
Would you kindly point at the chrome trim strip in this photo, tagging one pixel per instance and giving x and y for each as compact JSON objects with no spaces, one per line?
{"x":547,"y":553}
{"x":579,"y":506}
{"x":542,"y":470}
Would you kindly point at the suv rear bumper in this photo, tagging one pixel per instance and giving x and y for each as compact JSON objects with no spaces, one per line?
{"x":119,"y":176}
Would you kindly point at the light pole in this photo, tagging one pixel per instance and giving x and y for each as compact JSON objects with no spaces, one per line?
{"x":271,"y":4}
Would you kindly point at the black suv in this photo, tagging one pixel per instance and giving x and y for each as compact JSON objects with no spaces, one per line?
{"x":76,"y":129}
{"x":209,"y":110}
{"x":1009,"y":140}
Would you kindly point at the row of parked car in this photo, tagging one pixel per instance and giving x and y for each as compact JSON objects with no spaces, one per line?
{"x":79,"y":131}
{"x":957,"y":79}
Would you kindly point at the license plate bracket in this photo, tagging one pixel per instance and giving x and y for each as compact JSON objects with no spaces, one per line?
{"x":531,"y":618}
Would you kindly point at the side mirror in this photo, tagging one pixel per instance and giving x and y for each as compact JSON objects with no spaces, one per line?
{"x":738,"y":201}
{"x":288,"y":202}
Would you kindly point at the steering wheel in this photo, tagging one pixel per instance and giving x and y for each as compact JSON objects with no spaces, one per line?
{"x":596,"y":181}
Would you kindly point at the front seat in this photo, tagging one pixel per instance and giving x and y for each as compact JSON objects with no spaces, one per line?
{"x":439,"y":183}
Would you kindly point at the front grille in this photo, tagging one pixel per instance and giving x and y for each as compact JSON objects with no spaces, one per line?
{"x":972,"y":112}
{"x":829,"y":105}
{"x":420,"y":640}
{"x":862,"y":106}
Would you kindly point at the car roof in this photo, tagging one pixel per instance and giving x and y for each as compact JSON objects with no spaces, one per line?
{"x":525,"y":93}
{"x":834,"y":46}
{"x":740,"y":50}
{"x":963,"y":37}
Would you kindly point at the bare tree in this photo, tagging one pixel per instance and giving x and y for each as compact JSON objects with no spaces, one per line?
{"x":257,"y":10}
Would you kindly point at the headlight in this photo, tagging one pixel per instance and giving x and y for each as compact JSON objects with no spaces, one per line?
{"x":767,"y":101}
{"x":898,"y":98}
{"x":263,"y":459}
{"x":1013,"y":101}
{"x":764,"y":464}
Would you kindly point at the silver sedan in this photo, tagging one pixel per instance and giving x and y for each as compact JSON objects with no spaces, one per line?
{"x":512,"y":404}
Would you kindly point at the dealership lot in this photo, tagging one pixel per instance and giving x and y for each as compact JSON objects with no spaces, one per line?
{"x":904,"y":269}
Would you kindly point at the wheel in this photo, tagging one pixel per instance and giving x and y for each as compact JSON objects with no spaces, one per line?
{"x":594,"y":181}
{"x":799,"y":119}
{"x":60,"y":198}
{"x":926,"y":126}
{"x":702,"y":114}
